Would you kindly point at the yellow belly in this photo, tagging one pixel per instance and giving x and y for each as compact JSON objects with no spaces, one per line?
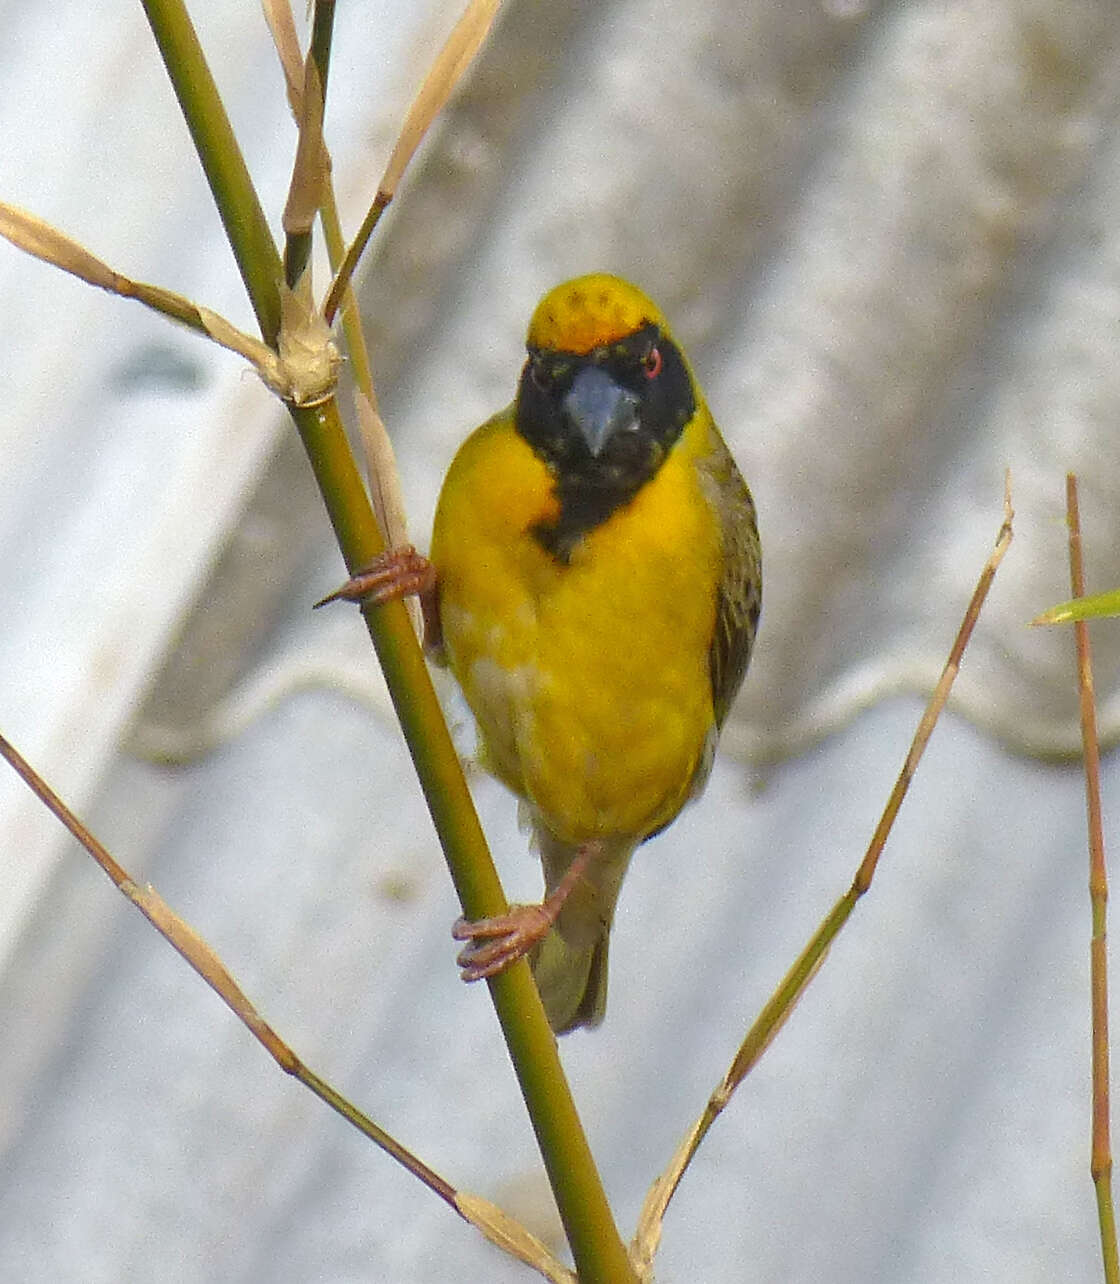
{"x":589,"y":681}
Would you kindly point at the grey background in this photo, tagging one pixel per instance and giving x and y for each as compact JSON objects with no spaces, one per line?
{"x":886,"y":234}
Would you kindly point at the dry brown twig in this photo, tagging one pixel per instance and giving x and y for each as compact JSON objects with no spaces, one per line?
{"x":778,"y":1010}
{"x":443,"y":75}
{"x":497,"y":1226}
{"x":1101,"y":1154}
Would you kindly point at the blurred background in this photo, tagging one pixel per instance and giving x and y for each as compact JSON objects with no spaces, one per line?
{"x":886,"y":234}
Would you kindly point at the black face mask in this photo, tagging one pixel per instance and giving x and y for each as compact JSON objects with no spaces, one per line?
{"x":603,"y":424}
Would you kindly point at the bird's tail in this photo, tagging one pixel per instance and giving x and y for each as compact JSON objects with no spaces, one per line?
{"x":570,"y":964}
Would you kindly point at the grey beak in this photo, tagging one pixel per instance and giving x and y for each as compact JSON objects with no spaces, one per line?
{"x":599,"y":407}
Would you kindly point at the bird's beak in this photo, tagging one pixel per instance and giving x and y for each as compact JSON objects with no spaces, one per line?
{"x":599,"y":407}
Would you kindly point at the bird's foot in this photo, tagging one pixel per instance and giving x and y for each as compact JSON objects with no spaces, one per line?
{"x":399,"y":572}
{"x":496,"y":943}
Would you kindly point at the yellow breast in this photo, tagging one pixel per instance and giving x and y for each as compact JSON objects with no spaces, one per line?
{"x":589,"y":680}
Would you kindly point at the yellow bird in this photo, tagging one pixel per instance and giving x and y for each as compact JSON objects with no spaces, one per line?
{"x":594,"y":583}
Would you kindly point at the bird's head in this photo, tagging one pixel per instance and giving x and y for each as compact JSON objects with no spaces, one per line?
{"x":604,"y":394}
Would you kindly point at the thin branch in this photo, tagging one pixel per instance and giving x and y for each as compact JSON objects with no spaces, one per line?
{"x":310,"y":171}
{"x":596,"y":1246}
{"x":28,"y":232}
{"x":386,"y":493}
{"x":282,"y":27}
{"x":302,"y":368}
{"x":444,"y":74}
{"x":222,"y":162}
{"x":1101,"y":1158}
{"x":213,"y":971}
{"x":779,"y":1008}
{"x":497,"y":1226}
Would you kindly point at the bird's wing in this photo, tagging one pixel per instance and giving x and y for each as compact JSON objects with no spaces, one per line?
{"x":739,"y":593}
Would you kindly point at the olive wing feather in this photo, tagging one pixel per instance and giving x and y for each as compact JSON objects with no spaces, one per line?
{"x":739,"y":592}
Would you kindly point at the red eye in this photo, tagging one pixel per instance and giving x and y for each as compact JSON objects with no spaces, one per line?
{"x":652,"y":363}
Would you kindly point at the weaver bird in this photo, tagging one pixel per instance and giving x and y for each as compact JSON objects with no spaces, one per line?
{"x":594,"y":583}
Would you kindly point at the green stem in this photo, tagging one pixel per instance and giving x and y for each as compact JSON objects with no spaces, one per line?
{"x":594,"y":1239}
{"x":598,"y":1251}
{"x":222,"y":162}
{"x":322,"y":33}
{"x":350,"y":262}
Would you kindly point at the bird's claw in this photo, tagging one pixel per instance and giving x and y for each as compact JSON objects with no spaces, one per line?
{"x":496,"y":943}
{"x":400,"y":572}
